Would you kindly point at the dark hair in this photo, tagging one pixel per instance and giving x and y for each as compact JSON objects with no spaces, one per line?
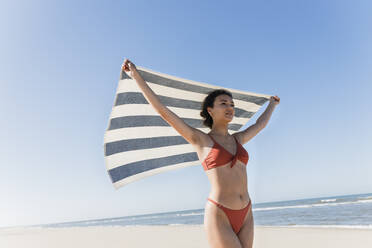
{"x":208,"y":102}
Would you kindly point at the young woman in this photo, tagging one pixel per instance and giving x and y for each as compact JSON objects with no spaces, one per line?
{"x":228,"y":218}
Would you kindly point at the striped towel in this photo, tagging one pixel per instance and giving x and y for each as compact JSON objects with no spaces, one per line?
{"x":139,"y":143}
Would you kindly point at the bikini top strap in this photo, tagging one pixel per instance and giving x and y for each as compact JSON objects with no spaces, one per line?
{"x":236,"y":141}
{"x":210,"y":136}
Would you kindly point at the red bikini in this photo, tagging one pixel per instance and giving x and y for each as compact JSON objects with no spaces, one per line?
{"x":219,"y":156}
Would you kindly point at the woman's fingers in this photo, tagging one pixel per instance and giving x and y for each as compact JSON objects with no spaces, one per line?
{"x":128,"y":64}
{"x":275,"y":99}
{"x":125,"y":65}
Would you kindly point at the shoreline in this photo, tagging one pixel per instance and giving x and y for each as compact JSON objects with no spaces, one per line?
{"x":362,"y":227}
{"x":179,"y":236}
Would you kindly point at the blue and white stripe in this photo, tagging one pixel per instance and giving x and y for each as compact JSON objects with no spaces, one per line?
{"x":139,"y":143}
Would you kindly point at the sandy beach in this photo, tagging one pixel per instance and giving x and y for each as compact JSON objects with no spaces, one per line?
{"x":179,"y":236}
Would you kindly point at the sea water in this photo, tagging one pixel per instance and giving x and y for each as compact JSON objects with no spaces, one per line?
{"x":342,"y":211}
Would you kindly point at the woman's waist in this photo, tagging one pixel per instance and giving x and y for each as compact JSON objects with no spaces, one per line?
{"x":233,"y":200}
{"x":229,"y":187}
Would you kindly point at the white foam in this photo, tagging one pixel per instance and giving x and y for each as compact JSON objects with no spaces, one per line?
{"x":313,"y":205}
{"x":327,"y":226}
{"x":329,"y":200}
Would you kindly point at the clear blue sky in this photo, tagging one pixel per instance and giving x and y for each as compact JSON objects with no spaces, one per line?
{"x":60,"y":64}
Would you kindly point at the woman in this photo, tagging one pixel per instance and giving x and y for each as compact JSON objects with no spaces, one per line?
{"x":228,"y":218}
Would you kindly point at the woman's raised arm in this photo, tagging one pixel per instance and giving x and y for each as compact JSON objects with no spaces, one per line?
{"x":189,"y":133}
{"x":250,"y":132}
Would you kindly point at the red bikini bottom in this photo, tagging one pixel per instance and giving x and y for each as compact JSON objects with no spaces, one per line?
{"x":236,"y":216}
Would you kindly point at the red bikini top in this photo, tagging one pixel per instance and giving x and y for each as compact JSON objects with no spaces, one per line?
{"x":219,"y":156}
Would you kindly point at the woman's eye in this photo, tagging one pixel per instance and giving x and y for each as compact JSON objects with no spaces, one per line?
{"x":231,"y":105}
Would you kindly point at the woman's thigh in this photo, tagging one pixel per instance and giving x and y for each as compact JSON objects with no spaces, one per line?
{"x":246,"y":233}
{"x":218,"y":229}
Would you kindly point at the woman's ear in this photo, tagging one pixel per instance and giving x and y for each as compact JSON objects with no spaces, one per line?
{"x":209,"y":110}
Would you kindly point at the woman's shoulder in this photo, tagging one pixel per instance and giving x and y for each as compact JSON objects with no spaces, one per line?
{"x":202,"y":139}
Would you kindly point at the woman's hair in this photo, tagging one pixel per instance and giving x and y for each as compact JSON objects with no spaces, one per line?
{"x":209,"y":102}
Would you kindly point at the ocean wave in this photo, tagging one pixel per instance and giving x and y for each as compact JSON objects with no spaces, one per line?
{"x":328,"y":200}
{"x":313,"y":205}
{"x":328,"y":226}
{"x":190,"y":214}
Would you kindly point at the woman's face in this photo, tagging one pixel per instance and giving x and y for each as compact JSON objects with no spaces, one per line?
{"x":223,"y":109}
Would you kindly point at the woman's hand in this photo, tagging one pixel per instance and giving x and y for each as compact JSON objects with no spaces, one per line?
{"x":275,"y":100}
{"x":128,"y":66}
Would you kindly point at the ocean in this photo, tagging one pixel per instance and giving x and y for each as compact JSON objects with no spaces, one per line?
{"x":353,"y":211}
